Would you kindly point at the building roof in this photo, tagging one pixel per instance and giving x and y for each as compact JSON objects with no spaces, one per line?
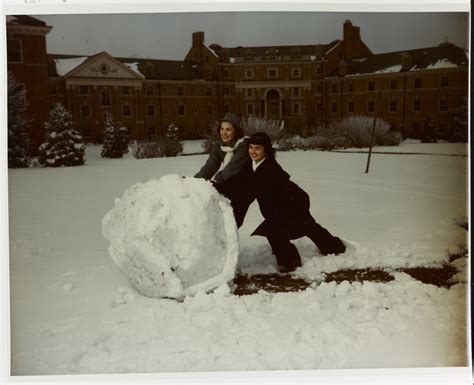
{"x":445,"y":55}
{"x":280,"y":50}
{"x":25,"y":20}
{"x":59,"y":65}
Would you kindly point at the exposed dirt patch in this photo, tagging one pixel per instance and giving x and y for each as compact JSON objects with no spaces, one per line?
{"x":434,"y":276}
{"x":273,"y":283}
{"x":359,"y":275}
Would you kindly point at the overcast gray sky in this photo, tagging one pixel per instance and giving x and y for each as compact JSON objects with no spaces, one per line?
{"x":168,"y":36}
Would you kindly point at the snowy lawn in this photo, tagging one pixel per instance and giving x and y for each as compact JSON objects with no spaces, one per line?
{"x":73,"y":311}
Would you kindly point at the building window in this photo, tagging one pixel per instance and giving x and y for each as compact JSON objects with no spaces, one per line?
{"x":150,"y":110}
{"x":250,"y":109}
{"x":249,"y":92}
{"x":296,"y":91}
{"x":333,"y":107}
{"x":150,"y":91}
{"x":226,"y":107}
{"x":319,"y":88}
{"x":350,"y":107}
{"x":418,"y":83}
{"x":85,"y":111}
{"x":105,"y":98}
{"x":444,"y":81}
{"x":209,"y":91}
{"x":126,"y":110}
{"x":227,"y":91}
{"x":14,"y":51}
{"x":165,"y":91}
{"x":371,"y":106}
{"x":195,"y":91}
{"x":180,"y":91}
{"x":125,"y":91}
{"x":52,"y":88}
{"x":350,"y":87}
{"x":83,"y":90}
{"x":181,"y":110}
{"x":334,"y":88}
{"x":371,"y":85}
{"x":296,"y":108}
{"x":196,"y":111}
{"x":210,"y":109}
{"x":167,"y":111}
{"x":393,"y":106}
{"x":443,"y":105}
{"x":295,"y":72}
{"x":417,"y":105}
{"x":318,"y":70}
{"x":272,"y":72}
{"x":249,"y":73}
{"x":226,"y":73}
{"x":393,"y":84}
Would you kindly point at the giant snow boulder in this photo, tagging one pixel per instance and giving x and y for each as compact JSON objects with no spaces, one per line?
{"x":173,"y":236}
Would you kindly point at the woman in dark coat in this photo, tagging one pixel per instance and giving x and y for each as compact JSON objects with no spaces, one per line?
{"x":226,"y":163}
{"x":285,"y":207}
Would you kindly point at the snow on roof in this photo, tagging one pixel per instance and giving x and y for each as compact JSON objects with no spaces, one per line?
{"x":210,"y":49}
{"x":12,"y":19}
{"x":313,"y":57}
{"x":232,"y":59}
{"x":63,"y":66}
{"x":443,"y":63}
{"x":335,"y":45}
{"x":395,"y":68}
{"x":134,"y":68}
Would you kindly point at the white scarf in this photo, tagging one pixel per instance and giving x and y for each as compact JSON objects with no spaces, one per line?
{"x":229,"y":153}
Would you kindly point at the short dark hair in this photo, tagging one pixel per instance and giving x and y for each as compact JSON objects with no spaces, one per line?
{"x":262,"y":139}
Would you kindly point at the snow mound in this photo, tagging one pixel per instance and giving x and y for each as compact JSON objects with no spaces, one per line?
{"x":173,"y":237}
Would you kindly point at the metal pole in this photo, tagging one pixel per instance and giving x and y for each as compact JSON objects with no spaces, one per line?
{"x":373,"y":134}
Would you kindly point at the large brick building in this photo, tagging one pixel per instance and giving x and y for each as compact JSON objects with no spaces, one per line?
{"x":304,"y":85}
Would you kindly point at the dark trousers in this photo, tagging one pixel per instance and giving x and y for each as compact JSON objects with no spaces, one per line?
{"x":287,"y":254}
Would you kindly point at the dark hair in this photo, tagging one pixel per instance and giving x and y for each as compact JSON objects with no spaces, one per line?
{"x":239,"y":133}
{"x":262,"y":139}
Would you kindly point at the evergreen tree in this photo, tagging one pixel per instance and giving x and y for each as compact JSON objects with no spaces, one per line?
{"x":172,"y":133}
{"x":63,"y":145}
{"x":115,"y":140}
{"x":460,"y":123}
{"x":18,"y":140}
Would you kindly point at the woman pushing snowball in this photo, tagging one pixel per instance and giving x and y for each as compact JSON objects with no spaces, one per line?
{"x":225,"y":165}
{"x":285,"y":207}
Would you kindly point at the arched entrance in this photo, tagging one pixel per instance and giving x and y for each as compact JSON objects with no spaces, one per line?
{"x":273,"y":104}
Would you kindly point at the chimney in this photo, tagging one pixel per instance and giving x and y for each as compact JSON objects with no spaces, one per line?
{"x":198,"y":38}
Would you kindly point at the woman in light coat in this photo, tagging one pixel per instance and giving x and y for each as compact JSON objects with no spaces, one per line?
{"x":225,"y":165}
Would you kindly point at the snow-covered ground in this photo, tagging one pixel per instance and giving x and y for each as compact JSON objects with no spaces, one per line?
{"x":74,"y":312}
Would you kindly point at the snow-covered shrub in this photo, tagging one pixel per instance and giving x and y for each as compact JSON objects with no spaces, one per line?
{"x":162,"y":147}
{"x":173,"y":237}
{"x":273,"y":128}
{"x":115,"y":140}
{"x":18,"y":139}
{"x":357,"y":128}
{"x":63,"y":145}
{"x":390,"y":138}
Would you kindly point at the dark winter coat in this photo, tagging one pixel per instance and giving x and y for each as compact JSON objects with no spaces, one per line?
{"x":283,"y":204}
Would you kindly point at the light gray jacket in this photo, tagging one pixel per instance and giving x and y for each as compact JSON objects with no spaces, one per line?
{"x":216,"y":157}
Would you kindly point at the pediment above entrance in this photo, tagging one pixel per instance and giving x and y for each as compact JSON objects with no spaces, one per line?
{"x":103,"y":66}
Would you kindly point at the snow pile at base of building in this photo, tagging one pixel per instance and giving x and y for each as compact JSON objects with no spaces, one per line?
{"x":173,"y":237}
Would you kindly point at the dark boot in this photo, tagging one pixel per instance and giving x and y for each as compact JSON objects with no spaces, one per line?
{"x":323,"y":239}
{"x":287,"y":255}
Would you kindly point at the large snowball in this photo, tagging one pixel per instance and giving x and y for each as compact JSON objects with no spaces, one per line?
{"x":173,"y":236}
